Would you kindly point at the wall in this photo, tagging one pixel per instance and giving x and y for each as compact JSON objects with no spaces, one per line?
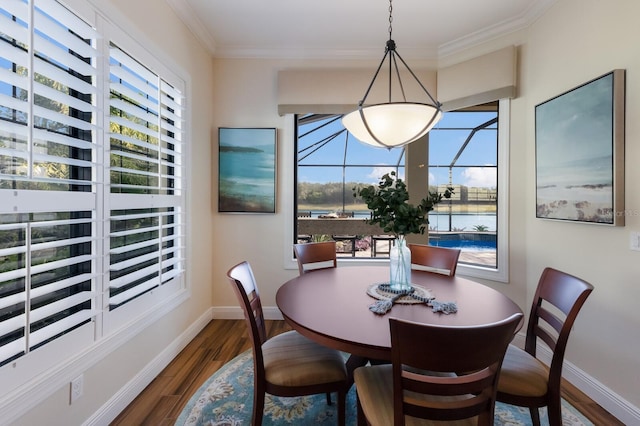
{"x":245,"y":95}
{"x":574,"y":42}
{"x":161,"y":31}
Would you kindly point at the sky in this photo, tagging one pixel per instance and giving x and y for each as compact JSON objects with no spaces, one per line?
{"x":446,"y":139}
{"x":575,"y":125}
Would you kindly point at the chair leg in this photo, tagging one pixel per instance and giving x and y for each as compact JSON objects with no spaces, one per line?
{"x":485,"y":419}
{"x":342,"y":407}
{"x":554,"y":411}
{"x":258,"y":408}
{"x":535,"y":416}
{"x":361,"y":420}
{"x":328,"y":398}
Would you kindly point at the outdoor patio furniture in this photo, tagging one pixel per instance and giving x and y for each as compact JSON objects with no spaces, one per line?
{"x":378,"y":238}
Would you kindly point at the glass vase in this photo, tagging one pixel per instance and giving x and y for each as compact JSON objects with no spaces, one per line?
{"x":400,"y":265}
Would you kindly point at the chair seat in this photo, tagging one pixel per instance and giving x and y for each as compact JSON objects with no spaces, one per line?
{"x":375,"y":392}
{"x":291,"y":359}
{"x":522,"y":374}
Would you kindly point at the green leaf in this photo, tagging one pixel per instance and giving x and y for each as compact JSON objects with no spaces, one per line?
{"x":390,"y":209}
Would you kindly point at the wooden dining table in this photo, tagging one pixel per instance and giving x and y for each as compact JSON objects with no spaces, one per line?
{"x":331,"y":307}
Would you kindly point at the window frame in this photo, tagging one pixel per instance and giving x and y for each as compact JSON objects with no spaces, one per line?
{"x":499,"y":273}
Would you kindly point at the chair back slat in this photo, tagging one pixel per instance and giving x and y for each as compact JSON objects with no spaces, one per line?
{"x":434,"y":259}
{"x":544,"y":335}
{"x":434,"y":360}
{"x":448,"y":385}
{"x":550,"y":318}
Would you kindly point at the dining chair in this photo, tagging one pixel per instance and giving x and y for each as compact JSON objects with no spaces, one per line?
{"x":437,"y":373}
{"x":314,"y":256}
{"x":525,"y":380}
{"x":441,"y":260}
{"x":288,"y":364}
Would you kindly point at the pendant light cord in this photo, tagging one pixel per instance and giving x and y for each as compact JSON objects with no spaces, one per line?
{"x":357,"y":122}
{"x":390,"y":20}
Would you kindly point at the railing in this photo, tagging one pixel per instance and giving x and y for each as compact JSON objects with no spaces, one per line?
{"x":334,"y":226}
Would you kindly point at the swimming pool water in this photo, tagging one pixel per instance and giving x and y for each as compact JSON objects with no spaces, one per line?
{"x":466,"y":245}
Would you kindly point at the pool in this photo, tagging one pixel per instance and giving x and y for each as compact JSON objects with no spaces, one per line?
{"x":466,"y":242}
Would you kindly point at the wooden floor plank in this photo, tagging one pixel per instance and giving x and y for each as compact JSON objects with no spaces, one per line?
{"x":198,"y":381}
{"x":222,"y":340}
{"x":161,"y":410}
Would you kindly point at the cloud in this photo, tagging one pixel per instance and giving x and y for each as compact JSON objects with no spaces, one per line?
{"x":480,"y":177}
{"x":378,"y":172}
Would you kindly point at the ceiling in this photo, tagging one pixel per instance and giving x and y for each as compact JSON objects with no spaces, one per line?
{"x":353,"y":29}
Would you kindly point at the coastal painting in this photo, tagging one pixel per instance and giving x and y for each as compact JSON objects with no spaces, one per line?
{"x":247,"y":170}
{"x":580,"y":153}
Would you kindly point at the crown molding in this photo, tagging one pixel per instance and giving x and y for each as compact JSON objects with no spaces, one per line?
{"x":187,"y":15}
{"x":503,"y":28}
{"x":318,"y":53}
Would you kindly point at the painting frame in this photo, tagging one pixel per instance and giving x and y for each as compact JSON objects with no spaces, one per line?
{"x":579,"y":137}
{"x":247,"y":170}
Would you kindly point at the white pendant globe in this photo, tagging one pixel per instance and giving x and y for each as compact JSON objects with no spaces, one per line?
{"x":392,"y":124}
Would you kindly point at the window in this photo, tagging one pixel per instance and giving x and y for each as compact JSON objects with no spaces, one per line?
{"x":86,"y":210}
{"x":464,"y":153}
{"x":330,"y":163}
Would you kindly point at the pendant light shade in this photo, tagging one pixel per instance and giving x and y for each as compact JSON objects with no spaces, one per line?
{"x":391,"y":124}
{"x":394,"y":123}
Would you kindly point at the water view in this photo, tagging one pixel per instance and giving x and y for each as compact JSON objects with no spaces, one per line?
{"x":440,"y":221}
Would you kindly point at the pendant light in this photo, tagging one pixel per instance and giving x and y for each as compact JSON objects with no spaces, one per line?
{"x":394,"y":123}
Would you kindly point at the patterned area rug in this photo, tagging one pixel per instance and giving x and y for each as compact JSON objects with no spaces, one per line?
{"x":226,"y":399}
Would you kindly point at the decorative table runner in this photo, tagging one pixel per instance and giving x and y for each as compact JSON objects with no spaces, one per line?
{"x":378,"y":291}
{"x":415,"y":295}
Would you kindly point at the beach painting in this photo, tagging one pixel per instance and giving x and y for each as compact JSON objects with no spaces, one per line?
{"x":579,"y":153}
{"x":247,"y":170}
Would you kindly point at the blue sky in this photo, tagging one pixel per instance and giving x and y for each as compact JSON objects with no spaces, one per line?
{"x":446,"y":140}
{"x":576,"y":125}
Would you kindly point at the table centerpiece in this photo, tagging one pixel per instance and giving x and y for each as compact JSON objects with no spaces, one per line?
{"x":390,"y":209}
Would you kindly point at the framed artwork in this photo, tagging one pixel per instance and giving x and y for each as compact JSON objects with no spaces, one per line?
{"x":580,"y":153}
{"x":246,"y":170}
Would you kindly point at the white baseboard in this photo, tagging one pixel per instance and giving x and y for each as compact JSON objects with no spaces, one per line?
{"x":620,"y":408}
{"x":235,"y":312}
{"x":615,"y":404}
{"x":118,"y":402}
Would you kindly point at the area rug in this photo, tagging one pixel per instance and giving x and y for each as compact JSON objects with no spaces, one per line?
{"x":226,"y":399}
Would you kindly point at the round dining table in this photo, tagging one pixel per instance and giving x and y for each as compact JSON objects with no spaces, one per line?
{"x":331,"y":307}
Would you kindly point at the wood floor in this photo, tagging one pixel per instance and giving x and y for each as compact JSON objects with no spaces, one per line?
{"x":219,"y":342}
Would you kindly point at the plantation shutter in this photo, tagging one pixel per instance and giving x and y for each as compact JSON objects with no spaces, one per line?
{"x":47,"y":170}
{"x":172,"y":133}
{"x":146,"y":132}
